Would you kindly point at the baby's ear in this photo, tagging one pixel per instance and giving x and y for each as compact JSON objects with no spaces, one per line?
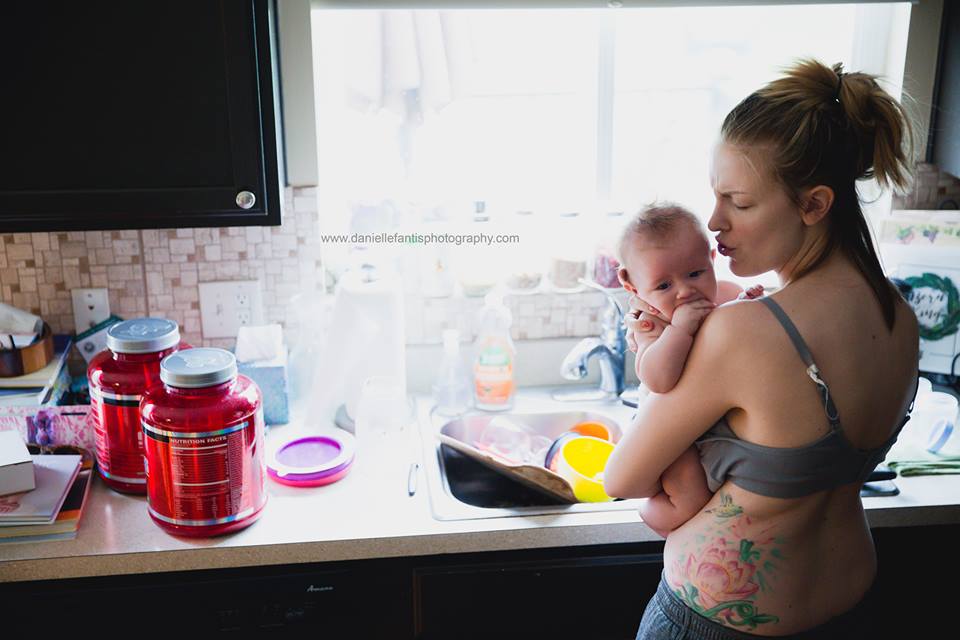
{"x":624,"y":279}
{"x":713,"y":254}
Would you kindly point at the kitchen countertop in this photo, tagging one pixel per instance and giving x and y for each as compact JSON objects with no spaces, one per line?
{"x":369,"y":515}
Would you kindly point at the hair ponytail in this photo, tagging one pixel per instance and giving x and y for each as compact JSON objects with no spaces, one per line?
{"x":827,"y":127}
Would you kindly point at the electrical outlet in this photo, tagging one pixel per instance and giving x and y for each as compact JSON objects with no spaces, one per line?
{"x":90,"y":308}
{"x":227,"y":306}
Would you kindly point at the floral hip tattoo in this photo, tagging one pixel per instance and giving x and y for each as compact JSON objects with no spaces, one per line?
{"x":721,"y":581}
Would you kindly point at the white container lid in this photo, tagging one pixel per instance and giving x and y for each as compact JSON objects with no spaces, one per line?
{"x":143,"y":335}
{"x":201,"y":367}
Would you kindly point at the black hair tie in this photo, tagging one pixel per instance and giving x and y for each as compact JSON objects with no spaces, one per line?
{"x":836,"y":95}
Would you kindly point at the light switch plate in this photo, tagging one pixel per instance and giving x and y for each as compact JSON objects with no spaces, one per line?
{"x":227,"y":306}
{"x":90,"y":308}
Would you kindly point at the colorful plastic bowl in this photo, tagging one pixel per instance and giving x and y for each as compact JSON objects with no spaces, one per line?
{"x":553,"y":453}
{"x":581,"y":463}
{"x":595,"y":429}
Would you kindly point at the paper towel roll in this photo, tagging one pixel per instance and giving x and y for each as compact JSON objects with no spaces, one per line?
{"x":13,"y":320}
{"x":367,"y":337}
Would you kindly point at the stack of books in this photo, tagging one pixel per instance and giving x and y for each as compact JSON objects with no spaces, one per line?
{"x":51,"y":511}
{"x":42,"y":387}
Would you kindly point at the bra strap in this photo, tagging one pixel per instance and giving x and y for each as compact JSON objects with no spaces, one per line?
{"x":828,"y":406}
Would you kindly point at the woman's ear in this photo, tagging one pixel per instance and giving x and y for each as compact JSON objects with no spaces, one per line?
{"x":816,"y":204}
{"x":624,"y":279}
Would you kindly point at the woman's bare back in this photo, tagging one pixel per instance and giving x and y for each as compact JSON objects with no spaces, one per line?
{"x":795,"y":563}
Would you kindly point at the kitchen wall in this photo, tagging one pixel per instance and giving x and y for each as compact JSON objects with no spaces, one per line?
{"x":933,"y":188}
{"x":157,"y":273}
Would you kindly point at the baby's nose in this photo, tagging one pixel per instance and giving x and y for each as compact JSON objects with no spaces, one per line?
{"x":685,"y":291}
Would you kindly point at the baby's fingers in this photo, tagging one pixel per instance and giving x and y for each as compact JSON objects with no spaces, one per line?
{"x":636,"y":304}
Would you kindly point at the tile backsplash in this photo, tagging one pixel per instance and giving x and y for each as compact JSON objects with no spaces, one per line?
{"x":157,"y":272}
{"x":933,"y":189}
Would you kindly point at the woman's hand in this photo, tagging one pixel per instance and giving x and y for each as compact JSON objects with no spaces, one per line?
{"x":754,"y":292}
{"x":643,"y":322}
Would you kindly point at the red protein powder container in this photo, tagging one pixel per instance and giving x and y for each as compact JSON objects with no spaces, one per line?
{"x":203,"y":433}
{"x":118,"y":376}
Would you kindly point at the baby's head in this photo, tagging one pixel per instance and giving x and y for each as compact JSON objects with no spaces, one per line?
{"x":665,"y":258}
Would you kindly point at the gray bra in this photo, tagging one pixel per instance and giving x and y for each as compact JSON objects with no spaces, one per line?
{"x":790,"y":472}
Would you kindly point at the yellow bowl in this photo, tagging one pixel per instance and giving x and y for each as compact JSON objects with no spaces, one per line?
{"x":581,"y":463}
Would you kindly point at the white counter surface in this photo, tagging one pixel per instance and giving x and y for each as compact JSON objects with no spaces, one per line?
{"x":367,"y":515}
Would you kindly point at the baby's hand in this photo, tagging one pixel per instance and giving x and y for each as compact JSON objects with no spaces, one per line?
{"x":689,"y":316}
{"x":756,"y":291}
{"x":643,"y":323}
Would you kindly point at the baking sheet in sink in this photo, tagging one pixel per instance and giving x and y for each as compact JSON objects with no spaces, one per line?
{"x":464,"y":433}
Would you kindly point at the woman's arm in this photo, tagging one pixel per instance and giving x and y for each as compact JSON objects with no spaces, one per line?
{"x":666,"y":424}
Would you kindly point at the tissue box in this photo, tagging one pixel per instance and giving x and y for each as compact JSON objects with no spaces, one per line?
{"x":271,"y":377}
{"x":16,"y":466}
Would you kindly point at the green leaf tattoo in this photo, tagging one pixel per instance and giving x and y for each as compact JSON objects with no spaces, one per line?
{"x":726,"y":509}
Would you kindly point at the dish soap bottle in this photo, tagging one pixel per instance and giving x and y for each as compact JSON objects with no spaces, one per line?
{"x":493,"y":368}
{"x":451,"y":392}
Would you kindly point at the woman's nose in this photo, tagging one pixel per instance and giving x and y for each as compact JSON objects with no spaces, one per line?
{"x":717,"y":222}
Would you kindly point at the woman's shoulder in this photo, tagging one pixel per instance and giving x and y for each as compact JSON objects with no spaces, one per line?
{"x":735,"y":319}
{"x":733,"y":334}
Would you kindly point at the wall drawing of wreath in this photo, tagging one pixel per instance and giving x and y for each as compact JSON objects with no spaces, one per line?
{"x":936,"y":302}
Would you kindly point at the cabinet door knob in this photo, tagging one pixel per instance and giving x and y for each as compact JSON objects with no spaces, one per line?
{"x":246,"y":199}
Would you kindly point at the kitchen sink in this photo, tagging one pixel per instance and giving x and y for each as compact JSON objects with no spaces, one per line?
{"x":461,"y":488}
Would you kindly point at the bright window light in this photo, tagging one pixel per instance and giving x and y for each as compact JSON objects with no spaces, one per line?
{"x":559,"y":109}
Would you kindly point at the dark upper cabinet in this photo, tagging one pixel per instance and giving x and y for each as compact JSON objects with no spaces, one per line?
{"x":120,"y":114}
{"x":943,"y":144}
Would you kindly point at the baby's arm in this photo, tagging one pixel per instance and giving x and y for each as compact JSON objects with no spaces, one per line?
{"x":684,"y":493}
{"x":660,"y":364}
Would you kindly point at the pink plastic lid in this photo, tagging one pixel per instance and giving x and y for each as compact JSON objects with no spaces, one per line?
{"x":312,"y":461}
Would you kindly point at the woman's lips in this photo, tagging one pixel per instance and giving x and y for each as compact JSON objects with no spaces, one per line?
{"x":723,"y":249}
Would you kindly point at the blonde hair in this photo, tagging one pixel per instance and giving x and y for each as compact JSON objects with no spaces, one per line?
{"x":658,"y":222}
{"x":827,"y":127}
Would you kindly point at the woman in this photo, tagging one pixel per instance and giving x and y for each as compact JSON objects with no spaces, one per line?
{"x":793,"y":399}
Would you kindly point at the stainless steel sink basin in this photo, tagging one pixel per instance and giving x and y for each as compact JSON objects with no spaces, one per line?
{"x":461,"y":488}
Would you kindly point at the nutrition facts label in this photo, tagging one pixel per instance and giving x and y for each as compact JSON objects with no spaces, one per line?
{"x":202,"y":478}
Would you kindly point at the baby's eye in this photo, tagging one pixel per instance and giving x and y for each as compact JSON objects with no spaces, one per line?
{"x":697,"y":274}
{"x":663,"y":286}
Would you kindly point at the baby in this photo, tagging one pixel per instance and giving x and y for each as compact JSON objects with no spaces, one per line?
{"x":667,"y":262}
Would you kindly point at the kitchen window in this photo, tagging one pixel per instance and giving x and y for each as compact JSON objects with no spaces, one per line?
{"x":422,"y":114}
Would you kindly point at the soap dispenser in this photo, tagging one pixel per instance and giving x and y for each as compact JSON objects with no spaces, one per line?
{"x":495,"y":355}
{"x":452,"y":395}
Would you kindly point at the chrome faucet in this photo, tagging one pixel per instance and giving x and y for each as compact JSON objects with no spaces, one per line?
{"x":610,"y":348}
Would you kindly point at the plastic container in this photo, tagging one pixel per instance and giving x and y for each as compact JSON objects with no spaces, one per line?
{"x":452,"y":395}
{"x":568,"y":262}
{"x":938,"y":416}
{"x":495,"y":354}
{"x":581,"y":462}
{"x":118,"y":376}
{"x":513,"y":441}
{"x":526,"y":259}
{"x":604,"y":263}
{"x":204,"y":445}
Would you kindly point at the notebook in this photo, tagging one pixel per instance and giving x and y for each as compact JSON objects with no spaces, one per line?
{"x":55,"y":476}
